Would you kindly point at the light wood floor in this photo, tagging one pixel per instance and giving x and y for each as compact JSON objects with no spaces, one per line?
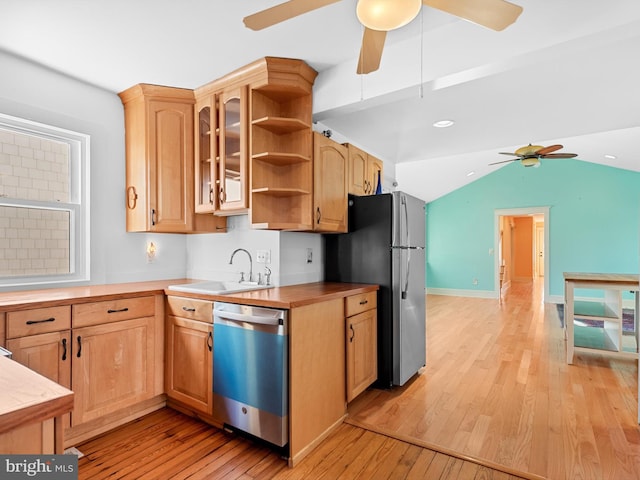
{"x":496,"y":390}
{"x":497,"y":387}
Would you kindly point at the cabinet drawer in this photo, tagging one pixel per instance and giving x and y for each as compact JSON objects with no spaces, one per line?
{"x":360,"y":303}
{"x":192,"y":308}
{"x":38,"y":320}
{"x":96,"y":313}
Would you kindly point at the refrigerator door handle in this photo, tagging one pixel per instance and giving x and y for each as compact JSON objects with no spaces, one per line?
{"x":406,"y":220}
{"x":406,"y":278}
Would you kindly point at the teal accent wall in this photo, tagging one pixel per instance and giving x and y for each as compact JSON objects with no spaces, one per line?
{"x":594,"y":218}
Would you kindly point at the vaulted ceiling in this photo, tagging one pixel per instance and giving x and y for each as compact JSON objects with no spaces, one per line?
{"x":565,"y":72}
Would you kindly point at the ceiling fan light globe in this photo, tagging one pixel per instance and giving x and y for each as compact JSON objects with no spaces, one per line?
{"x":386,"y":15}
{"x":530,"y":162}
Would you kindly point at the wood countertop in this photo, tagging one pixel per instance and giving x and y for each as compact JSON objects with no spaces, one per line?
{"x":277,"y":297}
{"x":28,"y":397}
{"x":25,"y":299}
{"x":288,"y":296}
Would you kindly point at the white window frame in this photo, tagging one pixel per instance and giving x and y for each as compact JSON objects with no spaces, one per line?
{"x":78,"y":205}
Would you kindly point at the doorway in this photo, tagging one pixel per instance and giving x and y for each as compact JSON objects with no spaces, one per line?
{"x":521,"y":246}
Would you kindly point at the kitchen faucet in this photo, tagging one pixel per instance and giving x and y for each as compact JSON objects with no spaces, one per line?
{"x":250,"y":263}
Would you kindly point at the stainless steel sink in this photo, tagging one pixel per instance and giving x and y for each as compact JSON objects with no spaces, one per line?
{"x":216,"y":287}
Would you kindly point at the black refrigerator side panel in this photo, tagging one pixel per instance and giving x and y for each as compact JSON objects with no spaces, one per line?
{"x":364,"y":256}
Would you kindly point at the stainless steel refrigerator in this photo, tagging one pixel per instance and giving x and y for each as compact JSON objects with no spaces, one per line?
{"x":386,"y":245}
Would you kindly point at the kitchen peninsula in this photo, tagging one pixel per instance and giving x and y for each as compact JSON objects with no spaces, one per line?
{"x":125,"y":323}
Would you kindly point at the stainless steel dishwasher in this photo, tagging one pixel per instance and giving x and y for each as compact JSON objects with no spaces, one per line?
{"x":250,"y":370}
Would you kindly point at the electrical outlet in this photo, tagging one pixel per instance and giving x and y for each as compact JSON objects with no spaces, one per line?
{"x":263,"y":256}
{"x":475,"y":281}
{"x":309,"y":255}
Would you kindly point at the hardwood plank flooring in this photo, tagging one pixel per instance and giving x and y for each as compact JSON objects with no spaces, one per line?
{"x":168,"y":445}
{"x":497,"y":388}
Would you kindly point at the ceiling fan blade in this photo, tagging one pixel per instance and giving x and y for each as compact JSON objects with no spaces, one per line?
{"x":509,"y":153}
{"x":505,"y":161}
{"x":371,"y":50}
{"x":559,"y":155}
{"x":493,"y":14}
{"x":283,"y":11}
{"x":549,"y":149}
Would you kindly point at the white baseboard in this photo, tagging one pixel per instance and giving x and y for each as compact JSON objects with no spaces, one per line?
{"x":463,"y":293}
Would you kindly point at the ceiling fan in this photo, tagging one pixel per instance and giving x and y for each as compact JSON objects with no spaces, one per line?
{"x":380,"y":16}
{"x":530,"y":155}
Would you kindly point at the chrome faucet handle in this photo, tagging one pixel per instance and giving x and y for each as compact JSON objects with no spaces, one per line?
{"x":259,"y":278}
{"x":267,"y":276}
{"x":241,"y":277}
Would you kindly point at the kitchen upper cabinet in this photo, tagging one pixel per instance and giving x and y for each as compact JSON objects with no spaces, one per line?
{"x":364,"y":170}
{"x":159,"y":137}
{"x":330,"y":196}
{"x":189,"y":353}
{"x":264,"y":143}
{"x":232,"y":147}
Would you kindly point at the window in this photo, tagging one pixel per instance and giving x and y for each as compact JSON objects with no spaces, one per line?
{"x":44,"y":204}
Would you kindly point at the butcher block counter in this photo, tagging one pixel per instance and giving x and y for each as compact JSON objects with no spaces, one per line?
{"x":31,"y":407}
{"x":287,"y":297}
{"x":320,"y":346}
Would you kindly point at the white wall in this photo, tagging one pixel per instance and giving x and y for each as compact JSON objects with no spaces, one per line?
{"x":34,"y":92}
{"x":39,"y":94}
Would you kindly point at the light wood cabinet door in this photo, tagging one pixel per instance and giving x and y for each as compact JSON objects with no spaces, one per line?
{"x":113,"y":367}
{"x":358,"y":179}
{"x":189,"y":366}
{"x":159,"y":139}
{"x":329,"y":185}
{"x":49,"y":354}
{"x":232,"y":147}
{"x":362,"y":363}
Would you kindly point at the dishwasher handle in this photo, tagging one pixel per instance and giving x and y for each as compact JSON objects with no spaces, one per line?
{"x":241,"y":317}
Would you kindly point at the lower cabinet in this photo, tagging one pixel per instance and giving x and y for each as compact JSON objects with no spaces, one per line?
{"x":362,"y":339}
{"x":110,"y":353}
{"x":189,"y":353}
{"x":113,"y":367}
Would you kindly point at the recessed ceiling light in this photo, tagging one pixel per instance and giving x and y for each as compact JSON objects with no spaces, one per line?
{"x":610,"y":157}
{"x":443,"y":123}
{"x":470,"y":174}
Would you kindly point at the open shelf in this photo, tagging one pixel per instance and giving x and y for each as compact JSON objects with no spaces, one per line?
{"x":279,"y":158}
{"x":280,"y":192}
{"x":281,"y":125}
{"x":594,"y":310}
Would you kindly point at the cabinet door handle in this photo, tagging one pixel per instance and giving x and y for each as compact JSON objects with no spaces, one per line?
{"x":188,"y":309}
{"x":79,"y":346}
{"x":211,"y":195}
{"x":125,"y":309}
{"x":132,"y":197}
{"x":64,"y":349}
{"x":318,"y":215}
{"x":353,"y":333}
{"x":364,"y":302}
{"x":222,"y":197}
{"x":153,"y":216}
{"x":210,"y":341}
{"x":45,"y":320}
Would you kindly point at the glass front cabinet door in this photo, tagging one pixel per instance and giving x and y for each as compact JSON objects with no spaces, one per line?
{"x":232,"y":149}
{"x":206,"y":168}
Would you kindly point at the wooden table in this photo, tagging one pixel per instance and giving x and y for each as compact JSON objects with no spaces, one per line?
{"x":607,"y":309}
